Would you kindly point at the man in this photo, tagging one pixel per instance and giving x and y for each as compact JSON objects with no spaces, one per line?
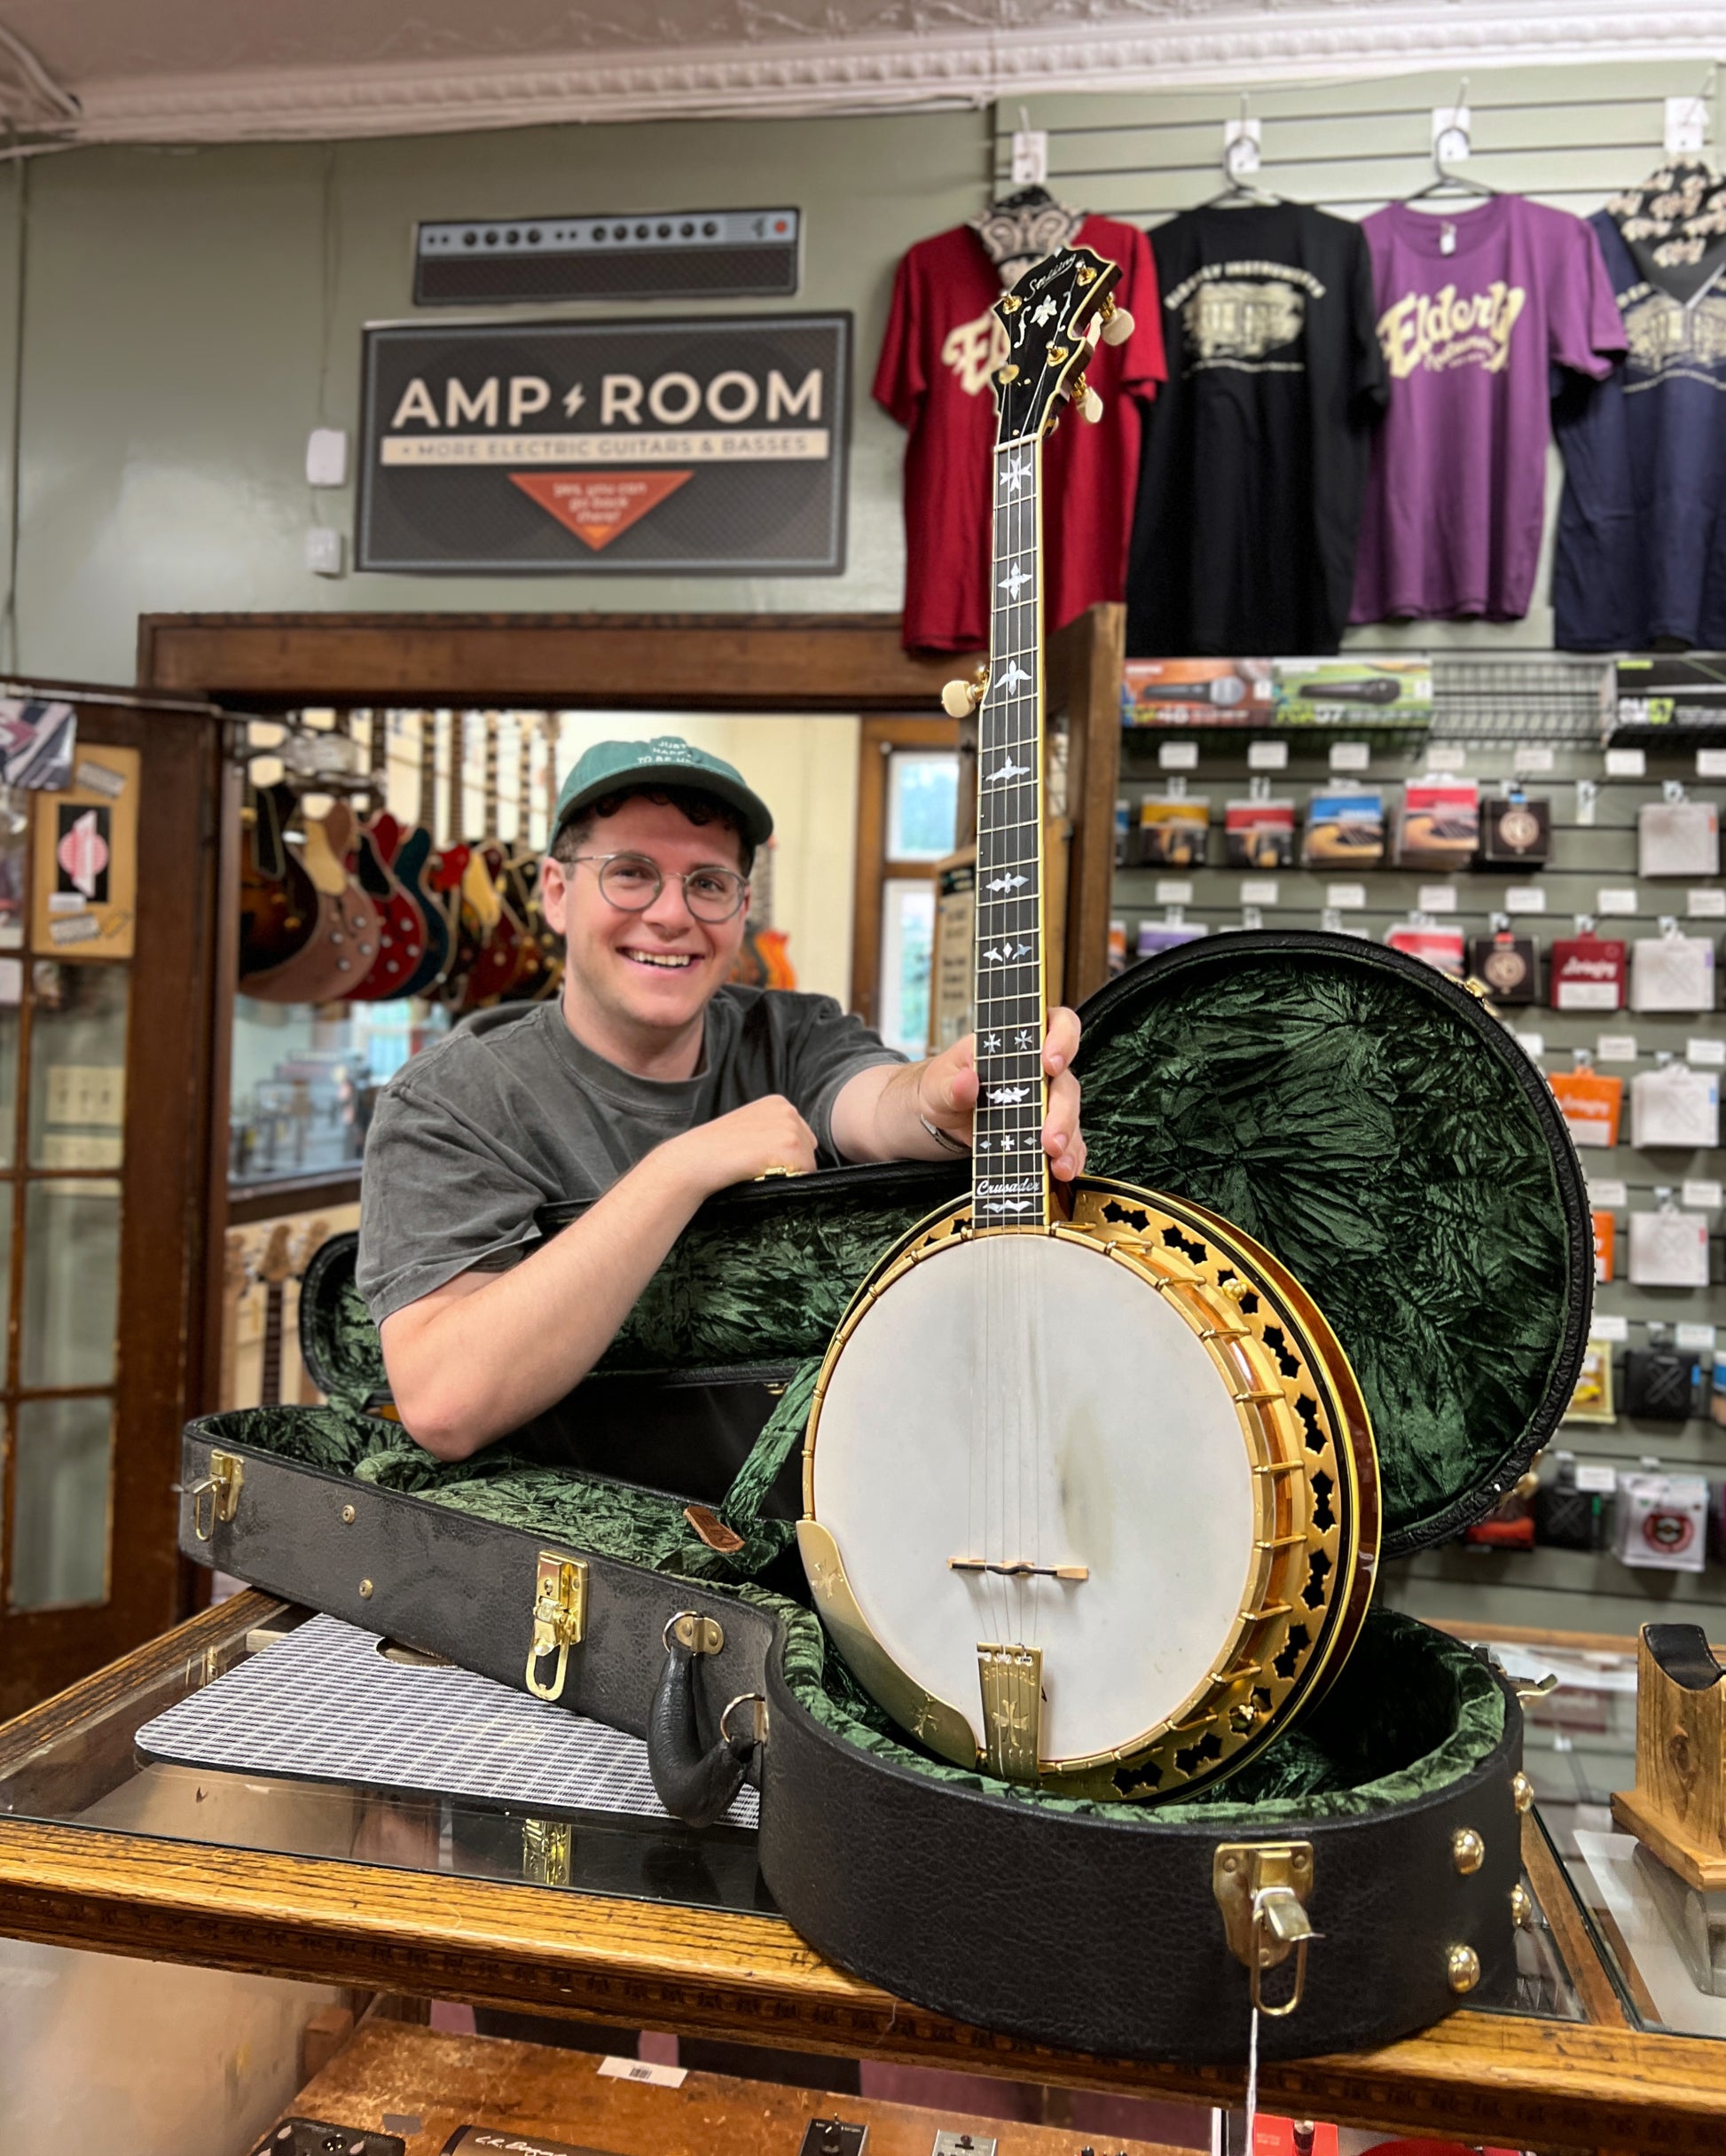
{"x":652,"y":1083}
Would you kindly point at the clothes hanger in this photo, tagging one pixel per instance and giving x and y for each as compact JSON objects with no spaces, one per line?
{"x":1444,"y":181}
{"x":1240,"y":157}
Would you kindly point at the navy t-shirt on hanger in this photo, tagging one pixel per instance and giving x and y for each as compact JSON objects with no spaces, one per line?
{"x":1641,"y":552}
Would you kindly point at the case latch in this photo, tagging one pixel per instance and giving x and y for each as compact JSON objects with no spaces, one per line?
{"x":1262,"y":1889}
{"x":218,"y":1496}
{"x":560,"y":1611}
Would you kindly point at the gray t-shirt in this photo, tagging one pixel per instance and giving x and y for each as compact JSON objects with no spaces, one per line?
{"x":511,"y":1112}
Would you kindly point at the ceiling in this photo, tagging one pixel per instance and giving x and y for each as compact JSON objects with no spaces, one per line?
{"x":215,"y":70}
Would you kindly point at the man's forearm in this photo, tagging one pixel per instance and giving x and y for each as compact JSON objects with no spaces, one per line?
{"x":485,"y":1355}
{"x":877,"y":1116}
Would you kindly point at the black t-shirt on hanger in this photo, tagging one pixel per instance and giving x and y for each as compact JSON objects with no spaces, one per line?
{"x":1255,"y":456}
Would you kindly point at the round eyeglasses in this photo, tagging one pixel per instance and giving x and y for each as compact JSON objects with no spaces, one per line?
{"x":630,"y":883}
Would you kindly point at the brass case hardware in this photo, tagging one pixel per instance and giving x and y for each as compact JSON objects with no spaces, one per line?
{"x":757,"y":1716}
{"x":547,"y":1848}
{"x":1462,"y":1966}
{"x":1262,"y":1889}
{"x":221,"y":1487}
{"x":1468,"y":1851}
{"x":1012,"y":1682}
{"x":1522,"y":1792}
{"x":560,"y":1614}
{"x":1538,"y":1688}
{"x":695,"y":1633}
{"x":1522,"y":1908}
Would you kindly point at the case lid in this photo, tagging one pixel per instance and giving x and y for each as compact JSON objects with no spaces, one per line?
{"x":1374,"y":1125}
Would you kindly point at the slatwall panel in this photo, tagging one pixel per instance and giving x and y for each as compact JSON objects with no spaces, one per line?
{"x":1569,"y":136}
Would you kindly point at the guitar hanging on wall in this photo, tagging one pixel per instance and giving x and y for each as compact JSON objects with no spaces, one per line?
{"x":1090,"y":1490}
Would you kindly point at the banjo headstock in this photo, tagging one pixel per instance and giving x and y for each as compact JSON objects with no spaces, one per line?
{"x":1051,"y":320}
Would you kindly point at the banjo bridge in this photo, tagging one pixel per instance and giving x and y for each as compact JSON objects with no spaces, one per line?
{"x":1019,"y":1568}
{"x":1012,"y":1682}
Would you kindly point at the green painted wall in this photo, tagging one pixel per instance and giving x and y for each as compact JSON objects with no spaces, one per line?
{"x":178,"y":345}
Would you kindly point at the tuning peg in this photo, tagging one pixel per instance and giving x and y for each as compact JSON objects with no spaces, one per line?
{"x":960,"y":699}
{"x":1089,"y":403}
{"x":1117,"y":324}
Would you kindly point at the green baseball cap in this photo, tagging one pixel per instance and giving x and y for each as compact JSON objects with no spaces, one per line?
{"x":609,"y":767}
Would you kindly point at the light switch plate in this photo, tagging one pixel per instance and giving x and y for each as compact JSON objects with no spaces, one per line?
{"x":327,"y":457}
{"x":324,"y":551}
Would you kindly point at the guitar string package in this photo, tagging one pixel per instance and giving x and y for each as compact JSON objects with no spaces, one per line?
{"x":1591,"y":1397}
{"x":1344,"y":829}
{"x":1509,"y":966}
{"x":1588,"y":972}
{"x":1173,"y":833}
{"x":1661,"y":1522}
{"x":1675,"y":1106}
{"x":1516,"y":832}
{"x":1672,"y":972}
{"x":1440,"y":947}
{"x":1669,"y":1249}
{"x":1678,"y":838}
{"x":1440,"y":826}
{"x":1591,"y":1103}
{"x":1605,"y":1242}
{"x":1259,"y":834}
{"x":1659,"y":1384}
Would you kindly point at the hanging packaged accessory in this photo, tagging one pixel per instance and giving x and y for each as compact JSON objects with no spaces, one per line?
{"x":1605,"y":1238}
{"x":1587,"y":970}
{"x":1569,"y":1517}
{"x":1672,"y":971}
{"x":1164,"y":935}
{"x":1344,"y":829}
{"x":1677,"y":837}
{"x":1441,"y":828}
{"x":1516,"y":832}
{"x":1669,"y":1248}
{"x":1591,"y":1400}
{"x":1172,"y":830}
{"x":1660,"y":1384}
{"x":1260,"y":832}
{"x":1674,"y":1105}
{"x":1717,"y":1389}
{"x":1592,"y":1103}
{"x":1421,"y":936}
{"x":1509,"y":966}
{"x":1662,"y":1522}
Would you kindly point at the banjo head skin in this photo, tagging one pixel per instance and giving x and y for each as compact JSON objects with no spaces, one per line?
{"x":1093,"y":1506}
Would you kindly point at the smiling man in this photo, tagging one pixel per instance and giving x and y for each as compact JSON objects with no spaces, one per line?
{"x":652,"y":1083}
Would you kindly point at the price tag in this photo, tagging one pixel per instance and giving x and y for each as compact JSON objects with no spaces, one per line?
{"x":1616,"y":1048}
{"x":1436,"y":898}
{"x":1711,"y":763}
{"x":1705,"y":1054}
{"x":1177,"y":756}
{"x":1615,"y":901}
{"x":1267,"y":755}
{"x":1172,"y":891}
{"x":1627,"y":763}
{"x":1613,"y":1329}
{"x":1351,"y":755}
{"x":1702,"y":1195}
{"x":1344,"y":898}
{"x":1532,"y":1045}
{"x":11,"y":980}
{"x":1694,"y":1339}
{"x":1525,"y":899}
{"x":1529,"y":760}
{"x":1446,"y":755}
{"x":1609,"y":1197}
{"x":1599,"y":1481}
{"x":643,"y":2070}
{"x":1260,"y":890}
{"x":1706,"y":904}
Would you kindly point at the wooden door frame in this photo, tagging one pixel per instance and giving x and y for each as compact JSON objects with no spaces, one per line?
{"x":852,"y":662}
{"x":878,"y":737}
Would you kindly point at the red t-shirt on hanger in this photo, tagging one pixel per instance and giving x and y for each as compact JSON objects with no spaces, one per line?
{"x":933,"y":378}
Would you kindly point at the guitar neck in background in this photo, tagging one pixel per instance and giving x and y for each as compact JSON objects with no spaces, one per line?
{"x":1010,"y":1172}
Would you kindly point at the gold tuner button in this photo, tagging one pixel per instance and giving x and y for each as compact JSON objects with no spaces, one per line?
{"x":1009,"y":372}
{"x":1462,"y":1966}
{"x":1522,"y":1907}
{"x":1523,"y":1791}
{"x":1010,"y":306}
{"x":958,"y":700}
{"x":1118,"y":325}
{"x":1468,"y":1852}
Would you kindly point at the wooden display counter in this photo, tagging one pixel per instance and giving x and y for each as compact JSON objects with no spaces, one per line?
{"x":94,"y":1854}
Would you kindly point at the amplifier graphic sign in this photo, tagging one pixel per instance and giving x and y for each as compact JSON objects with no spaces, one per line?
{"x":716,"y":445}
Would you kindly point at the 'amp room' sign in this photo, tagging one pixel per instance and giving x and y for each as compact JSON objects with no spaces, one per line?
{"x":716,"y":444}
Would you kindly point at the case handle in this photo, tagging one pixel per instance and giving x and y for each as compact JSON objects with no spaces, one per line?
{"x":696,"y":1786}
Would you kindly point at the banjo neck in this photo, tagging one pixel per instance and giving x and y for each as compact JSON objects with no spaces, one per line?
{"x":1009,"y":1175}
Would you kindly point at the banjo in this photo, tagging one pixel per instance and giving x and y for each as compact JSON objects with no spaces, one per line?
{"x":1090,"y":1498}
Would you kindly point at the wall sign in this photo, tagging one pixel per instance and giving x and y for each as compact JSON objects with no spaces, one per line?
{"x":86,"y":859}
{"x":709,"y":446}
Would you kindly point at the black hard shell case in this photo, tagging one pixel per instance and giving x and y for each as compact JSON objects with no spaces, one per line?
{"x":1359,"y":1113}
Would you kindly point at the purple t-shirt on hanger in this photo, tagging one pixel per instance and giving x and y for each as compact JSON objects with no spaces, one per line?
{"x":1455,"y":495}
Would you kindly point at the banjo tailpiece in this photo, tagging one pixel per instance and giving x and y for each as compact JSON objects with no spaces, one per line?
{"x":1090,"y":1498}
